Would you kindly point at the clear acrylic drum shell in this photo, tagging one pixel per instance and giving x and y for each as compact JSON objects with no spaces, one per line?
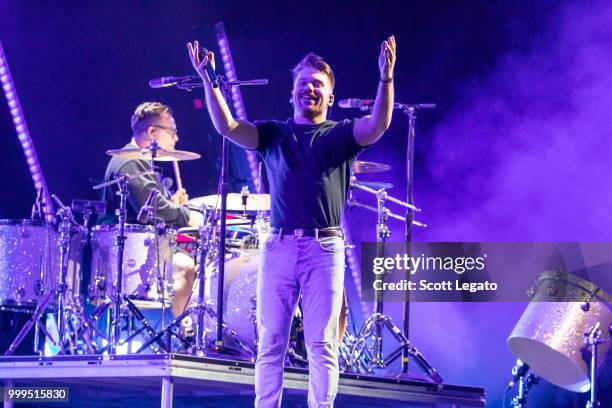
{"x":549,"y":336}
{"x":140,"y":274}
{"x":30,"y":261}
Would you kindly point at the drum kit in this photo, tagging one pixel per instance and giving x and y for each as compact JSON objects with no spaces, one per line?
{"x":131,"y":273}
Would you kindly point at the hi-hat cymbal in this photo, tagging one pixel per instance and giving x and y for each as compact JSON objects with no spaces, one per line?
{"x":254,"y":202}
{"x":360,"y":166}
{"x":145,"y":154}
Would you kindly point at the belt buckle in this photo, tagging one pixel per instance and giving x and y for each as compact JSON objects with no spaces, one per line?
{"x":298,"y":233}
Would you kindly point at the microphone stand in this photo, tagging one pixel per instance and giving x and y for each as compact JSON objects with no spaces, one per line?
{"x":410,"y":111}
{"x":225,"y":86}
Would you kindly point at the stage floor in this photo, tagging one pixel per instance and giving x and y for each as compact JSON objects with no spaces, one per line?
{"x":188,"y":381}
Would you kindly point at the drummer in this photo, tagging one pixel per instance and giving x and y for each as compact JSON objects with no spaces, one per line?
{"x":153,"y":121}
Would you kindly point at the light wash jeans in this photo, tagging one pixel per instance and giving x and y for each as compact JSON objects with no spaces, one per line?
{"x":316,"y":268}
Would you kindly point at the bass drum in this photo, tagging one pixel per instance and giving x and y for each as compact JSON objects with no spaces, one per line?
{"x":30,"y":262}
{"x":239,"y":300}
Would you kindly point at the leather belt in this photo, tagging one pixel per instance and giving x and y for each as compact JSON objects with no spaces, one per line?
{"x":313,"y":232}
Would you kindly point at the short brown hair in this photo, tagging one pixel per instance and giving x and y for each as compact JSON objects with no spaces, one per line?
{"x":312,"y":60}
{"x":146,"y":112}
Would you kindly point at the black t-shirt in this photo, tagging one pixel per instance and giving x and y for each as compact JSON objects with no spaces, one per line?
{"x":308,"y":168}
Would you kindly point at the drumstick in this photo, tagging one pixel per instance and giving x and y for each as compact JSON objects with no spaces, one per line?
{"x":177,"y":175}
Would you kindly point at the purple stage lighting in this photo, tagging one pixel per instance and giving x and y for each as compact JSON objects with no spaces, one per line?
{"x":23,"y":134}
{"x":238,"y":103}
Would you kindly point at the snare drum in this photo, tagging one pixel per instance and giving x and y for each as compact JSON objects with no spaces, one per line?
{"x":147,"y":263}
{"x":30,"y":261}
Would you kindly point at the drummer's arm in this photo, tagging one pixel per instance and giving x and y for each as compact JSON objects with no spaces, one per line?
{"x":239,"y":131}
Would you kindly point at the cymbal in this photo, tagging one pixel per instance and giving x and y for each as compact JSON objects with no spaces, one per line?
{"x":375,"y":185}
{"x":360,"y":166}
{"x":145,"y":154}
{"x":254,"y":202}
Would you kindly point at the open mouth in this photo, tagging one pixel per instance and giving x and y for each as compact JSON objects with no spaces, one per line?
{"x":309,"y":98}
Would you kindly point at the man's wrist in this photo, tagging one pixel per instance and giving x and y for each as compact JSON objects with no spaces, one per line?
{"x":386,"y":80}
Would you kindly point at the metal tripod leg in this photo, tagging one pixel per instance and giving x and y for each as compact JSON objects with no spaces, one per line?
{"x":375,"y":323}
{"x":30,"y":323}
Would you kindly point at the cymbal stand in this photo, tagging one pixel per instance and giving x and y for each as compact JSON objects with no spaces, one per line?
{"x":205,"y":236}
{"x":115,"y":326}
{"x":58,"y":293}
{"x":204,"y":242}
{"x":374,"y":325}
{"x":85,"y":327}
{"x":120,"y":244}
{"x":592,"y":339}
{"x":352,"y":202}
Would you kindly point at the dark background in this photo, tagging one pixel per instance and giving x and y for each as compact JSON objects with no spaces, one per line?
{"x":517,"y":148}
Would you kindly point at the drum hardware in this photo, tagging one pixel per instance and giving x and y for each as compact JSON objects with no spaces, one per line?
{"x":58,"y":294}
{"x":352,"y":202}
{"x":119,"y":297}
{"x":38,"y":206}
{"x":121,"y":212}
{"x":154,"y":337}
{"x":88,"y":328}
{"x":374,"y":325}
{"x":592,"y":339}
{"x":66,"y":222}
{"x":88,"y":208}
{"x":206,"y":234}
{"x":525,"y":379}
{"x":204,"y":240}
{"x":202,"y":311}
{"x":86,"y":331}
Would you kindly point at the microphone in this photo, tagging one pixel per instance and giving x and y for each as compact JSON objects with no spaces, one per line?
{"x":210,"y":72}
{"x":143,"y":214}
{"x":355,"y":103}
{"x":164,"y":82}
